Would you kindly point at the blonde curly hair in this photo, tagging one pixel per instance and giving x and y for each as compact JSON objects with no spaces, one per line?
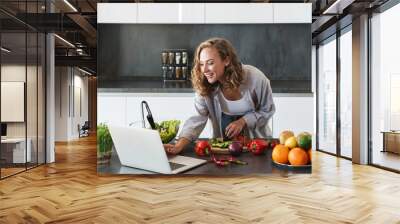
{"x":233,"y":72}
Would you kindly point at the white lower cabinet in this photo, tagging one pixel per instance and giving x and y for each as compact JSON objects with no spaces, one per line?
{"x":292,"y":112}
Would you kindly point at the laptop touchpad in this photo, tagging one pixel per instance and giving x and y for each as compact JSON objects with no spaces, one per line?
{"x":175,"y":166}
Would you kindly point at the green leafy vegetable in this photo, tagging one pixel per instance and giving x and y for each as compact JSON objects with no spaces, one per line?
{"x":104,"y":140}
{"x":168,"y":130}
{"x":219,"y":143}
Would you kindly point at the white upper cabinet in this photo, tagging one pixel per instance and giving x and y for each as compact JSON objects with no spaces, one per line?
{"x":223,"y":13}
{"x":191,"y":13}
{"x":171,"y":13}
{"x":200,"y":13}
{"x":158,"y":13}
{"x":292,"y":12}
{"x":117,"y":12}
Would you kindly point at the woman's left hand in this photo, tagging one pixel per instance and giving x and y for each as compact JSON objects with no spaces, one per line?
{"x":234,"y":128}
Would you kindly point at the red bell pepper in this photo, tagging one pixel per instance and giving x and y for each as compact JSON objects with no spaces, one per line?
{"x":274,"y":142}
{"x":257,"y":146}
{"x":242,"y":139}
{"x":202,"y":148}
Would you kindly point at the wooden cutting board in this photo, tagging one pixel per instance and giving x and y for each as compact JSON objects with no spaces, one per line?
{"x":217,"y":150}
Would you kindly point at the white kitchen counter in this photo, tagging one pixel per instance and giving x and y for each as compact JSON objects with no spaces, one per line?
{"x":294,"y":111}
{"x":174,"y":94}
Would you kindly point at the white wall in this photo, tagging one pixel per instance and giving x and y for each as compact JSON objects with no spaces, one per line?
{"x":81,"y":104}
{"x":15,"y":72}
{"x":61,"y":103}
{"x":71,"y":94}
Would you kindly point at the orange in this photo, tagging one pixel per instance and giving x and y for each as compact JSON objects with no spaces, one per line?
{"x":298,"y":157}
{"x":280,"y":154}
{"x":309,"y":152}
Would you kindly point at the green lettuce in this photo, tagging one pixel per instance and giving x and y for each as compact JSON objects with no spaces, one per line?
{"x":168,"y":130}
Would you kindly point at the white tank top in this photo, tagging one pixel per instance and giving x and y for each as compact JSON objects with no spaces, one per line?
{"x":236,"y":107}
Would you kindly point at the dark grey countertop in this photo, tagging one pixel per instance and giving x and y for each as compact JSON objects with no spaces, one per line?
{"x":261,"y":164}
{"x":141,"y":86}
{"x":151,"y":85}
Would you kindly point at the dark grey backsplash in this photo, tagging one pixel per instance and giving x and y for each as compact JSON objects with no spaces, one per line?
{"x":283,"y":51}
{"x":126,"y":51}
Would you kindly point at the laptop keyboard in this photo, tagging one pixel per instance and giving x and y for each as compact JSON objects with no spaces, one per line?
{"x":175,"y":166}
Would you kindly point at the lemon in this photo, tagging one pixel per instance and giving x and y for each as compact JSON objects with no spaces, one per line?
{"x":291,"y":142}
{"x":285,"y":135}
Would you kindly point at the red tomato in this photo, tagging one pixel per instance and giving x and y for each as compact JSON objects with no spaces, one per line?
{"x":202,"y":148}
{"x":263,"y":143}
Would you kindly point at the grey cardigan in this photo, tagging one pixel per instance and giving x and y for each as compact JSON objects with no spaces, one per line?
{"x":208,"y":107}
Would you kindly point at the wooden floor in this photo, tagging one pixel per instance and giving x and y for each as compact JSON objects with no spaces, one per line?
{"x":70,"y":191}
{"x":10,"y":171}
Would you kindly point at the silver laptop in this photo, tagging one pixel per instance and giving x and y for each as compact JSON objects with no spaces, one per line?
{"x":142,"y":148}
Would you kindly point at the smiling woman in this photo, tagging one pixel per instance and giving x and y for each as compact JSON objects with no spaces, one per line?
{"x":236,"y":98}
{"x":216,"y":59}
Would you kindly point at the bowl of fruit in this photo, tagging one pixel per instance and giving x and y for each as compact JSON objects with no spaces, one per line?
{"x":293,"y":151}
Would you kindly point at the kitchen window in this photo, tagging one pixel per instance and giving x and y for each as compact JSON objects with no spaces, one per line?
{"x":385,"y":89}
{"x":334,"y":58}
{"x":326,"y":60}
{"x":346,"y":72}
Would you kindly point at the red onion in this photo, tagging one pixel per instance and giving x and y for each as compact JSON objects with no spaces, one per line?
{"x":235,"y":148}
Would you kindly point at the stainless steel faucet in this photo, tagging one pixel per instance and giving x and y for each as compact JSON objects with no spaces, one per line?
{"x":149,"y":116}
